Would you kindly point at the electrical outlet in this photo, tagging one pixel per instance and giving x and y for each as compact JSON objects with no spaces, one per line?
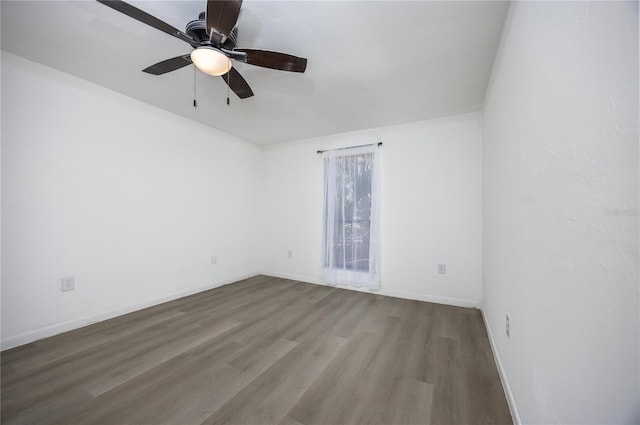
{"x":442,"y":269}
{"x":67,"y":284}
{"x":290,"y":254}
{"x":507,"y":326}
{"x":214,"y":259}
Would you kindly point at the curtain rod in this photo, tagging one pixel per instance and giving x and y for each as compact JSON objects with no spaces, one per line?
{"x":350,"y":147}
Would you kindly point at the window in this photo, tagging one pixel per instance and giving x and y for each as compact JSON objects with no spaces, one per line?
{"x":351,"y":216}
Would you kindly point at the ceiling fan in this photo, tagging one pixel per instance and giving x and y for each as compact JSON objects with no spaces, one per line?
{"x":213,"y":36}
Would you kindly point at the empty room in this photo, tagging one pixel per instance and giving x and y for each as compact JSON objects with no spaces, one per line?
{"x":319,"y":212}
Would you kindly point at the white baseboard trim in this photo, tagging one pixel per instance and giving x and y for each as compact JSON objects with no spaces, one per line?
{"x":58,"y":328}
{"x":503,"y":377}
{"x":458,"y":302}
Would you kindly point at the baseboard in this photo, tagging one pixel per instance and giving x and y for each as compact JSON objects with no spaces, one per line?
{"x":458,"y":302}
{"x":503,"y":377}
{"x":58,"y":328}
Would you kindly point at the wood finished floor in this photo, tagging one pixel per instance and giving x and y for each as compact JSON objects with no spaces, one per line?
{"x":263,"y":351}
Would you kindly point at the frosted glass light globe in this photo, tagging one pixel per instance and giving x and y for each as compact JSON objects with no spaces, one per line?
{"x":210,"y":61}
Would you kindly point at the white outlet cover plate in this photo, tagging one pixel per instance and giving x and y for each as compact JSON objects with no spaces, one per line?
{"x":67,"y":284}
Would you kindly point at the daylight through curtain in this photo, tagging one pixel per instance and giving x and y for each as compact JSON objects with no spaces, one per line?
{"x":351,"y":217}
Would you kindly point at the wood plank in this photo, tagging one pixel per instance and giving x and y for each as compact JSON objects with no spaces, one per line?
{"x":273,"y":393}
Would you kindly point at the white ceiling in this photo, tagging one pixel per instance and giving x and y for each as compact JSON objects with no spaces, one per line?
{"x":370,"y":63}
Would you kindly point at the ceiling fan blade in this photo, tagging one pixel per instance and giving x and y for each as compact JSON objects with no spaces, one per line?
{"x":222,"y":16}
{"x":274,"y":60}
{"x":150,"y":20}
{"x":168,"y":65}
{"x":238,"y":84}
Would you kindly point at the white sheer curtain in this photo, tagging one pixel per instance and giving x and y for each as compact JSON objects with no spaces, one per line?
{"x":350,"y":238}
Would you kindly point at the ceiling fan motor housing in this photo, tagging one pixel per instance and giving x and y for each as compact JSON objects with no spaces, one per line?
{"x":198,"y":31}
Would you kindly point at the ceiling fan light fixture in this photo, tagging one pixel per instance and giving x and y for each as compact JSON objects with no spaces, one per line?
{"x":210,"y":60}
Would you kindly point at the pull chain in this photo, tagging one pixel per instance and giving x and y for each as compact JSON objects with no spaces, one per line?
{"x":195,"y":104}
{"x":228,"y":77}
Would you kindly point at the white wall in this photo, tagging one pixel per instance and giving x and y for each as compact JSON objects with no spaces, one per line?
{"x":560,"y":211}
{"x":129,"y":199}
{"x":430,"y":208}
